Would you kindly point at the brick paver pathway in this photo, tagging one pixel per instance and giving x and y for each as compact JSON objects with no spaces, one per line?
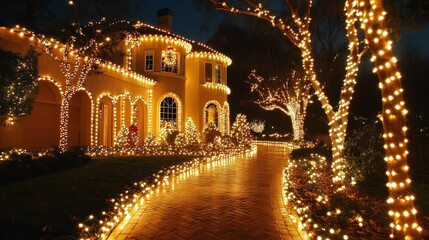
{"x":240,"y":199}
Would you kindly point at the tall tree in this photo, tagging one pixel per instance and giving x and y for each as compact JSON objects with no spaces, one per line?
{"x":296,"y":27}
{"x":372,"y":16}
{"x":235,"y":37}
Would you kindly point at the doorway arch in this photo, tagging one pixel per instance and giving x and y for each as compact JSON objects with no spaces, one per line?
{"x":140,"y":117}
{"x":79,"y":127}
{"x":41,"y":129}
{"x":105,"y":121}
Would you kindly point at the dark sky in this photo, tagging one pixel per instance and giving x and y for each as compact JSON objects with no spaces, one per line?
{"x":187,"y":20}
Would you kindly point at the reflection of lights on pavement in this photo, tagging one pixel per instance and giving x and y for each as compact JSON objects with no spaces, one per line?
{"x":166,"y":180}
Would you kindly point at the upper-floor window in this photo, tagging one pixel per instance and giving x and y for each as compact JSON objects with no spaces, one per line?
{"x":208,"y":76}
{"x":217,"y":73}
{"x":169,"y":59}
{"x":149,"y":61}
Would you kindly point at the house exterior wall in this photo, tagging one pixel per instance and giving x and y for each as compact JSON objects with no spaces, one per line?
{"x":116,"y":97}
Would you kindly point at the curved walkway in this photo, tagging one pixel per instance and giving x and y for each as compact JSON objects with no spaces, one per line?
{"x":237,"y":199}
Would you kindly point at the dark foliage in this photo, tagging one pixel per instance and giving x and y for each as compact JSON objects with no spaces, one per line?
{"x":313,"y":180}
{"x":171,"y":137}
{"x":25,"y":166}
{"x":319,"y":148}
{"x":364,"y":152}
{"x":211,"y":134}
{"x":406,"y":14}
{"x":19,"y":84}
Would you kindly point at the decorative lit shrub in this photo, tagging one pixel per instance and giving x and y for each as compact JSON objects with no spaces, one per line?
{"x":133,"y":136}
{"x":240,"y":131}
{"x":193,"y":137}
{"x":226,"y":141}
{"x":121,"y":139}
{"x":210,"y":131}
{"x":167,"y":127}
{"x":180,"y":140}
{"x":151,"y":140}
{"x":171,"y":137}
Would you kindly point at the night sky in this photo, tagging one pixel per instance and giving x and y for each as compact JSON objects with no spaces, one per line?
{"x":187,"y":20}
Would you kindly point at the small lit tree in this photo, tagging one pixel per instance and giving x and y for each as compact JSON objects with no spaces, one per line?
{"x":240,"y":131}
{"x":180,"y":140}
{"x":210,"y":131}
{"x":167,"y":128}
{"x":133,"y":136}
{"x":122,"y":138}
{"x":19,"y":85}
{"x":150,"y":140}
{"x":291,"y":96}
{"x":193,"y":137}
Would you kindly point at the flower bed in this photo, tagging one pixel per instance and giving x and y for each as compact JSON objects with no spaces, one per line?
{"x":327,"y":214}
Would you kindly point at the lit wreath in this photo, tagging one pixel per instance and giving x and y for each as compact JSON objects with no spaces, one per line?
{"x":169,"y":56}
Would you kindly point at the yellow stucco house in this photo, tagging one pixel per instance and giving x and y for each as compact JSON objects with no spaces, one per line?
{"x":163,"y":77}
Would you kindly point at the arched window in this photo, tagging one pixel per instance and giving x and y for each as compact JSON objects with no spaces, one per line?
{"x":212,"y":114}
{"x":168,"y":110}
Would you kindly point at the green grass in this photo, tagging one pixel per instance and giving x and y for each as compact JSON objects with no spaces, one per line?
{"x":61,"y":200}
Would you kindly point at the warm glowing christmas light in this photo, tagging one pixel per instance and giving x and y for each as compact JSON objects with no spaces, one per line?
{"x":121,"y":140}
{"x":291,"y":96}
{"x":297,"y":31}
{"x":76,"y":64}
{"x":225,"y":119}
{"x":151,"y":140}
{"x":257,"y":126}
{"x":100,"y":226}
{"x":180,"y":140}
{"x":193,"y":137}
{"x":210,"y":56}
{"x":169,"y":56}
{"x":240,"y":130}
{"x":371,"y":15}
{"x":218,"y":86}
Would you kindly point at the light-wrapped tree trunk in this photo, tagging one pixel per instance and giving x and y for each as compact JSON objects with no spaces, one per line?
{"x":401,"y":199}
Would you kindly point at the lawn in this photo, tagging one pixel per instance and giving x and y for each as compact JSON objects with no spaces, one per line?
{"x":61,"y":200}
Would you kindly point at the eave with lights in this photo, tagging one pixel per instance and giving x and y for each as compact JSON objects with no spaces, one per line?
{"x":158,"y":71}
